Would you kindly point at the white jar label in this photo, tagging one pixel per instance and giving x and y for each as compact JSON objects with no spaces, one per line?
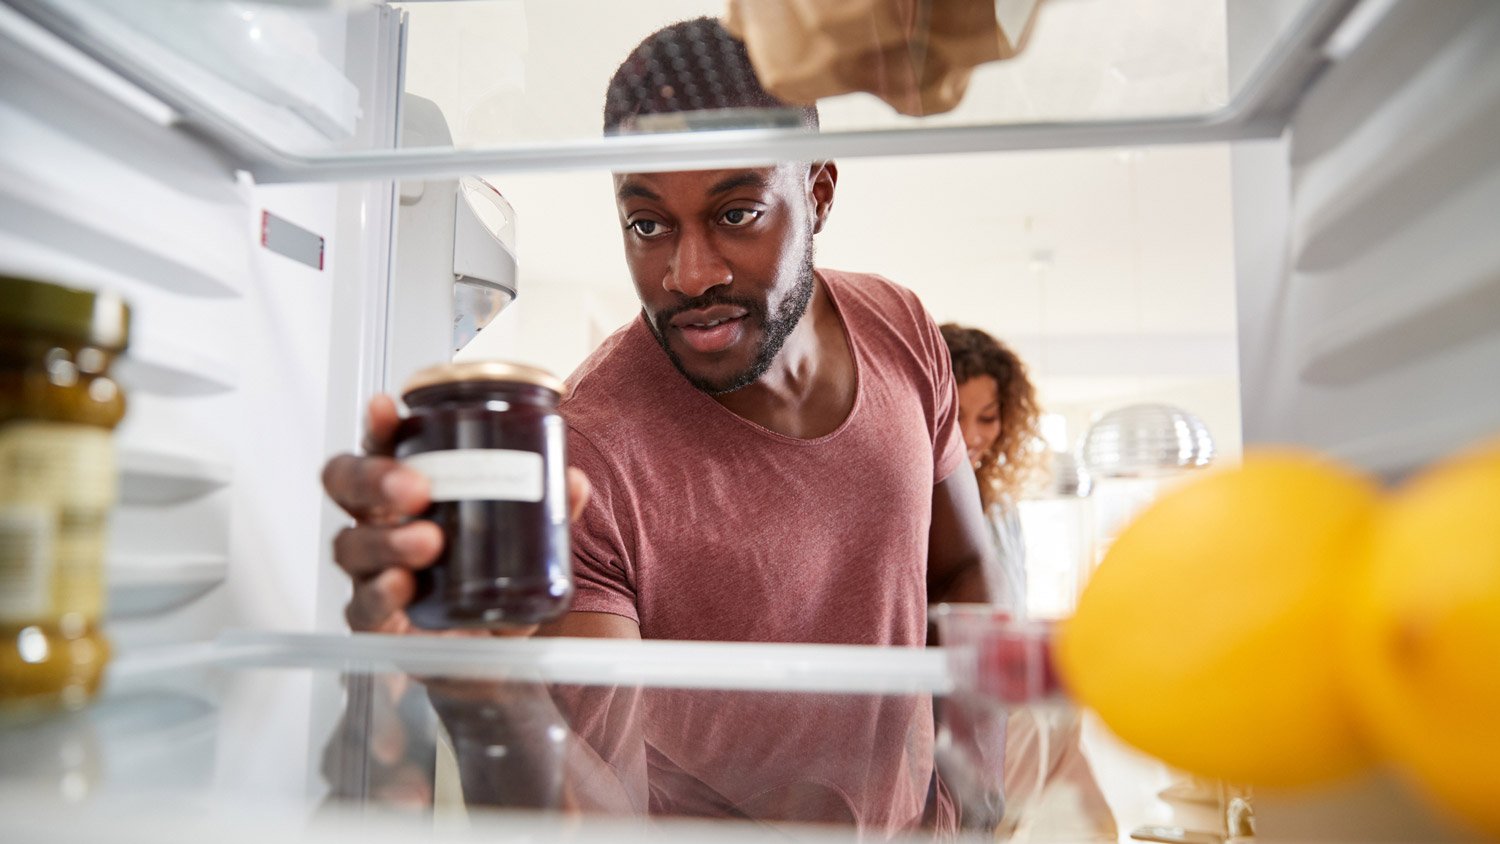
{"x":57,"y":483}
{"x":26,"y":568}
{"x":481,"y":474}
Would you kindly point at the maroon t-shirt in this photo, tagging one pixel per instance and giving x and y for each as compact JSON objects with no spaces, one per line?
{"x":703,"y":525}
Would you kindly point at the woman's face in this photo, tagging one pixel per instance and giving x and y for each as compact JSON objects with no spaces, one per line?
{"x":979,"y":415}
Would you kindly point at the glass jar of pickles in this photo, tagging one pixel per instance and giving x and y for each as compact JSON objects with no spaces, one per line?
{"x":58,"y":409}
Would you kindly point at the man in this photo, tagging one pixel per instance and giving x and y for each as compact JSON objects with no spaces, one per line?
{"x":773,"y":455}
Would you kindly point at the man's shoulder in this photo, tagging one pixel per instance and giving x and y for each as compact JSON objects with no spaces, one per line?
{"x":603,"y":364}
{"x":874,"y":303}
{"x":869,"y":289}
{"x":616,"y":384}
{"x":605,"y":372}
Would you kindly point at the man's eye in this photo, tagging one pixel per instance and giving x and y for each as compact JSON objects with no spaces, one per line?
{"x":648,"y":228}
{"x":740,"y":216}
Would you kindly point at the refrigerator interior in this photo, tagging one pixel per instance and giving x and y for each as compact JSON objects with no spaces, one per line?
{"x":1352,"y":187}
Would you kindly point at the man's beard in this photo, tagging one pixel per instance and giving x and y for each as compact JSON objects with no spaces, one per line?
{"x":775,"y":328}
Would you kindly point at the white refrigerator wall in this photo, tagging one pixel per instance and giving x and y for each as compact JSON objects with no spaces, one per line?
{"x":1369,"y":269}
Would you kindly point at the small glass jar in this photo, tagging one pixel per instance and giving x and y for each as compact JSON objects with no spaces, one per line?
{"x":58,"y":408}
{"x":489,"y":439}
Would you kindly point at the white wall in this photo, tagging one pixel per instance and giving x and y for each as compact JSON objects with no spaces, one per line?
{"x":1111,"y":273}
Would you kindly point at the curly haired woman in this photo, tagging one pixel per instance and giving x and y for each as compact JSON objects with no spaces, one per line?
{"x":998,"y":413}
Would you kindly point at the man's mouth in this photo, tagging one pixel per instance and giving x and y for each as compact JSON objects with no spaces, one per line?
{"x":711,"y":330}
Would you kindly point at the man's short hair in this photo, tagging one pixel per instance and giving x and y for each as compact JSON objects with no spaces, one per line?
{"x":695,"y":65}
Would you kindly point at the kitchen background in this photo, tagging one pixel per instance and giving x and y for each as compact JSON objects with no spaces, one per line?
{"x":1110,"y":271}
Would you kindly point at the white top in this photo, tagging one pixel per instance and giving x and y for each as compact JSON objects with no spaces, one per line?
{"x":1006,"y":576}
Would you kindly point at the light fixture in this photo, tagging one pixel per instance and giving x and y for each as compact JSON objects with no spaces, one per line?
{"x":1145,"y":440}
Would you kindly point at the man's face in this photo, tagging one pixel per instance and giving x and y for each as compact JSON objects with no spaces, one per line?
{"x":722,"y":262}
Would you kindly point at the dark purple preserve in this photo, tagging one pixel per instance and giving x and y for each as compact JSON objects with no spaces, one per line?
{"x":489,"y":438}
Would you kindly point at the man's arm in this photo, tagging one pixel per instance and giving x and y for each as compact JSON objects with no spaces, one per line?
{"x":592,"y":625}
{"x":958,"y":543}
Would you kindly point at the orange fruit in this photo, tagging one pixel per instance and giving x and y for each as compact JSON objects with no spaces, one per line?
{"x":1423,"y":635}
{"x":1207,"y":636}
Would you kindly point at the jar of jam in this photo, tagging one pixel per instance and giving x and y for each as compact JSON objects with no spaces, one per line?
{"x":489,"y":439}
{"x":58,"y":408}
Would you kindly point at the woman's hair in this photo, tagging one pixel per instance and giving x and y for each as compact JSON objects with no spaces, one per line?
{"x":1007,"y":463}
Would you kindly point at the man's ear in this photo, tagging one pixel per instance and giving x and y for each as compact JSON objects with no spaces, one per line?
{"x":822,"y":178}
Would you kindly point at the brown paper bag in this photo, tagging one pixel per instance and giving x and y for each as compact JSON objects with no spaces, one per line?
{"x":916,"y":55}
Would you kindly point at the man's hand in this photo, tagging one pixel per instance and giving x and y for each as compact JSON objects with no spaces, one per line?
{"x":387,"y":543}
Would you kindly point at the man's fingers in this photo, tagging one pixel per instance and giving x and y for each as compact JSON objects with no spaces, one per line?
{"x":379,"y":603}
{"x":578,"y":492}
{"x":380,"y":427}
{"x":375,"y":489}
{"x":367,"y":550}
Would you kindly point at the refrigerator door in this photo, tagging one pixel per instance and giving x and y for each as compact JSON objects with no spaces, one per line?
{"x":260,"y":319}
{"x":1369,"y":273}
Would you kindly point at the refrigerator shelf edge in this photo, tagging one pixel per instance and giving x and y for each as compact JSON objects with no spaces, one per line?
{"x":650,"y":663}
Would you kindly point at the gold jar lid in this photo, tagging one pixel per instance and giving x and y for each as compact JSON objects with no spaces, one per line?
{"x":95,"y":319}
{"x":483,"y":371}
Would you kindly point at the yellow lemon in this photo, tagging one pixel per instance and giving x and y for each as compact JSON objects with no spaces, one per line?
{"x":1423,"y":635}
{"x":1206,"y":638}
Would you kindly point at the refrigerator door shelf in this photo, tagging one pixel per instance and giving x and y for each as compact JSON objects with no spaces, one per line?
{"x":141,"y":587}
{"x":166,"y":368}
{"x":256,"y":64}
{"x":85,"y":224}
{"x":161,"y":478}
{"x":484,"y":263}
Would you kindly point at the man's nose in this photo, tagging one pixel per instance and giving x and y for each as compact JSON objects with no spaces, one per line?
{"x":697,"y":265}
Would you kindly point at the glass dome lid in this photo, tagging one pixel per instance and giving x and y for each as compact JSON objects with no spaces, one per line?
{"x":1142,"y":440}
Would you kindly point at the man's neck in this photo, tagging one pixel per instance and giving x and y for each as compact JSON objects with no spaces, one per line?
{"x":809,"y":389}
